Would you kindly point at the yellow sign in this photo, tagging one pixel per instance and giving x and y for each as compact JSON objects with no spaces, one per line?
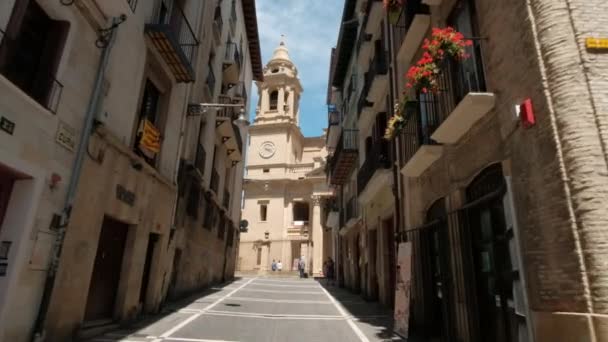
{"x":597,"y":43}
{"x":150,"y":138}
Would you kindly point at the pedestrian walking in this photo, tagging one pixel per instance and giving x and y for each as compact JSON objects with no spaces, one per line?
{"x":274,"y":265}
{"x":302,"y":267}
{"x":279,"y":266}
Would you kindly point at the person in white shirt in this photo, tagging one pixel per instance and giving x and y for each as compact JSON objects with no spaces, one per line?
{"x":279,"y":266}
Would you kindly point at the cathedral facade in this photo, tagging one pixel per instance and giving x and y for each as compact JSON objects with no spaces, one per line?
{"x":285,"y":185}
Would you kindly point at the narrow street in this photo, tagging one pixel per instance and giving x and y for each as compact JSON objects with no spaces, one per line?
{"x":265,"y":309}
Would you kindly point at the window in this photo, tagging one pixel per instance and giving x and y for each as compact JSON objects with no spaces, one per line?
{"x":30,"y":52}
{"x":209,"y":215}
{"x":266,"y":170}
{"x":263,"y":212}
{"x":193,"y":201}
{"x":300,"y":213}
{"x":147,"y":141}
{"x":273,"y":100}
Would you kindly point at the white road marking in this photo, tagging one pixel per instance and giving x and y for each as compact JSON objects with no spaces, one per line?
{"x":263,"y":280}
{"x":287,"y":292}
{"x":272,"y":316}
{"x":287,"y":301}
{"x":197,"y":315}
{"x":195,"y":340}
{"x":281,"y":285}
{"x":349,"y":320}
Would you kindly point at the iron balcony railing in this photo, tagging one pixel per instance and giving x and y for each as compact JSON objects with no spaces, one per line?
{"x":237,"y":91}
{"x":215,"y":181}
{"x":377,"y":158}
{"x":344,"y":158}
{"x":455,"y":80}
{"x":406,"y":18}
{"x":42,"y":85}
{"x":226,"y":200}
{"x":230,"y":113}
{"x":333,"y":116}
{"x":201,"y":156}
{"x":173,"y":36}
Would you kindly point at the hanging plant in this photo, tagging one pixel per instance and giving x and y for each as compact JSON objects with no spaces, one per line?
{"x":444,"y":43}
{"x":447,"y":42}
{"x":423,"y":76}
{"x":393,"y":9}
{"x":397,"y":122}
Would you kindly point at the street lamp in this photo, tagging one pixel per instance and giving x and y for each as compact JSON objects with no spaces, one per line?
{"x":195,"y":109}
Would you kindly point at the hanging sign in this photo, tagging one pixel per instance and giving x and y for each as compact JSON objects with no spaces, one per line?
{"x":402,"y":289}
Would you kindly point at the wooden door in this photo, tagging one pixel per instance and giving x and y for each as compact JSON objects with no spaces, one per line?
{"x":106,"y":270}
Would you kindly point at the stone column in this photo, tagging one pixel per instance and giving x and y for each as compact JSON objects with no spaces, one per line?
{"x":281,"y":101}
{"x":265,"y":101}
{"x":317,"y":237}
{"x":265,"y":254}
{"x":290,"y":103}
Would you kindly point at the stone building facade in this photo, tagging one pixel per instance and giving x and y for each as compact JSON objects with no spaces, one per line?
{"x":285,"y":184}
{"x":100,"y":113}
{"x":504,"y":213}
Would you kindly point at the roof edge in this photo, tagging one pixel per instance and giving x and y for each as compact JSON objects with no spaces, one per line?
{"x":253,"y":38}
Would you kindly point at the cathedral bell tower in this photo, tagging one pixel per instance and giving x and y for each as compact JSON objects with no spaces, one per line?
{"x":279,"y":94}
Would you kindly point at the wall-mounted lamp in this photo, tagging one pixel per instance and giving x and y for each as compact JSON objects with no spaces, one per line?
{"x":266,"y":235}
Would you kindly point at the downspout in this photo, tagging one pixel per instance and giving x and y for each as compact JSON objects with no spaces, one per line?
{"x":85,"y":133}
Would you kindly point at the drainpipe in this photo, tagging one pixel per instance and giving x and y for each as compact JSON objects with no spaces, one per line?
{"x":39,"y":332}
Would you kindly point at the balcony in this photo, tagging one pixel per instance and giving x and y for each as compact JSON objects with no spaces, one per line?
{"x":173,"y":37}
{"x":410,"y":30}
{"x":41,"y":85}
{"x":218,"y":25}
{"x":298,"y":231}
{"x":232,"y":64}
{"x":465,"y":100}
{"x":334,"y":120}
{"x":375,"y":174}
{"x":365,"y":47}
{"x":237,"y":92}
{"x":377,"y":74}
{"x":225,"y":127}
{"x":344,"y":158}
{"x":215,"y":181}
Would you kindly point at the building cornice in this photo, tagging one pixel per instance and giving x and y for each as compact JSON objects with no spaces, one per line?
{"x":253,"y":38}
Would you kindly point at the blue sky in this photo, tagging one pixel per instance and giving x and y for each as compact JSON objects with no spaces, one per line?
{"x":311,"y":30}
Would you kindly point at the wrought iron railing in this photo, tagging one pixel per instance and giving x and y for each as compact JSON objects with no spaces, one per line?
{"x":455,"y":80}
{"x":215,"y":181}
{"x":378,"y":157}
{"x":42,"y":85}
{"x":348,"y":143}
{"x":230,"y":113}
{"x":237,"y":91}
{"x":171,"y":15}
{"x":201,"y":156}
{"x":378,"y":65}
{"x":406,"y":18}
{"x":333,"y":116}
